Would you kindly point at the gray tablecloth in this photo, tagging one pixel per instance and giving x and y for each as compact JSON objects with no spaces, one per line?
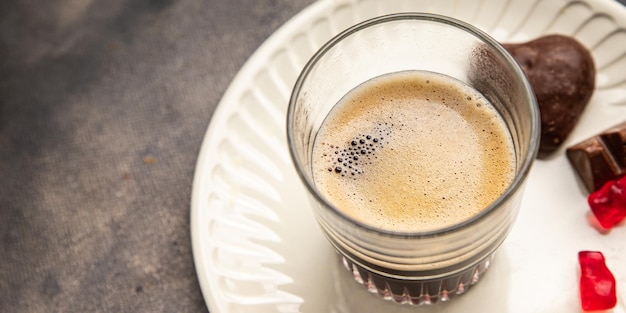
{"x":103,"y":107}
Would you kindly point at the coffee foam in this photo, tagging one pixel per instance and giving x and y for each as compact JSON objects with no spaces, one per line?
{"x":430,"y":152}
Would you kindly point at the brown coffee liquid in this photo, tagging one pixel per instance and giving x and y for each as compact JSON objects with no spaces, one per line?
{"x":413,"y":151}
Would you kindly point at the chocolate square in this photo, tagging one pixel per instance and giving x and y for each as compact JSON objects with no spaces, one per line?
{"x":600,"y":158}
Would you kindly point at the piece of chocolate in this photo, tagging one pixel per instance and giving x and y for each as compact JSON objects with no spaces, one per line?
{"x":562,"y":74}
{"x":600,"y":158}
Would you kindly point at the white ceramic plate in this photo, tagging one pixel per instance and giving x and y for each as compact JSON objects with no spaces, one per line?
{"x":256,"y":245}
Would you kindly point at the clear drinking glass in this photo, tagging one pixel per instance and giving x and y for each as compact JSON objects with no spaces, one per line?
{"x":414,"y":267}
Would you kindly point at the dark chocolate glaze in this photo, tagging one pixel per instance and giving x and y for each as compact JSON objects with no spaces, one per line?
{"x":562,"y":74}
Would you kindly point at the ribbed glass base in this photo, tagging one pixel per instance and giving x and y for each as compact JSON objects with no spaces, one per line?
{"x":418,"y":292}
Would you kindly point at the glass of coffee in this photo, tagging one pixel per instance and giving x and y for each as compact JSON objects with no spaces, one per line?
{"x":414,"y":134}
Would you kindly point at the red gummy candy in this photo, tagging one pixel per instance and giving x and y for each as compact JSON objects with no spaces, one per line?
{"x":597,"y":284}
{"x":608,"y":203}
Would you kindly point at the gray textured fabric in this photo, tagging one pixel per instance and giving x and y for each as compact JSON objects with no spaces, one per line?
{"x":103,"y":107}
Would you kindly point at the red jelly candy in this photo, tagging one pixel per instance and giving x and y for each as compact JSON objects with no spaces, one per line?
{"x":608,"y":203}
{"x":597,"y":284}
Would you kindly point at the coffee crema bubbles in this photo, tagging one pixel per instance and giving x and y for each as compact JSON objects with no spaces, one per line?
{"x":413,"y":151}
{"x":353,"y":157}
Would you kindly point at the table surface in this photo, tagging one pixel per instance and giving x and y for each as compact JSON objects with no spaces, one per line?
{"x":103,"y":107}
